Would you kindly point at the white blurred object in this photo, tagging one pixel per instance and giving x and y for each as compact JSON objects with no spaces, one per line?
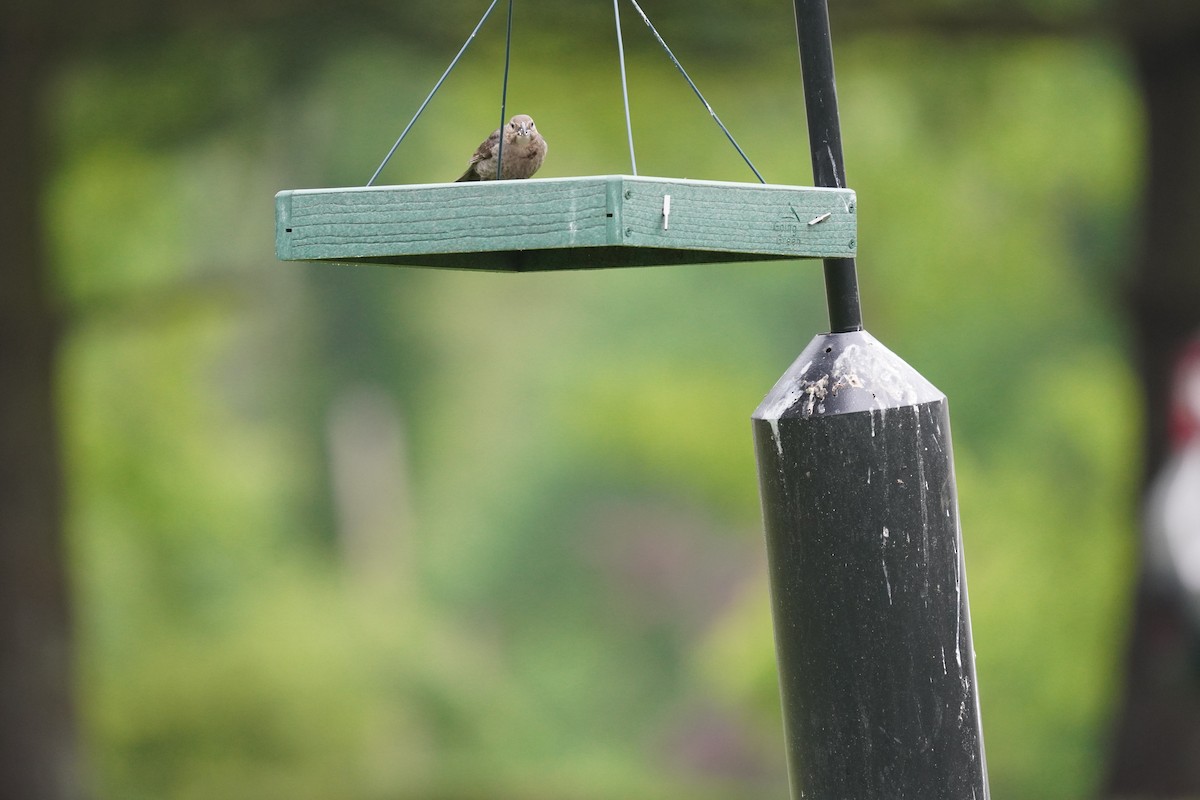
{"x":1173,"y":500}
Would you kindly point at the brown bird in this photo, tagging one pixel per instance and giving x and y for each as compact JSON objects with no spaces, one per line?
{"x":524,"y":150}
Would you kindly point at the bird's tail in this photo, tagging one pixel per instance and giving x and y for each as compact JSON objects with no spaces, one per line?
{"x":469,"y":175}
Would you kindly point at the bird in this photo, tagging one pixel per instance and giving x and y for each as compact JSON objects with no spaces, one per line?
{"x":524,"y":150}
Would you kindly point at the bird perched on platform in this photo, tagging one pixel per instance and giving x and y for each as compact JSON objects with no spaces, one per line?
{"x":524,"y":150}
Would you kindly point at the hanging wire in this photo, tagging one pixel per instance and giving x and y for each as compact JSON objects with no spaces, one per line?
{"x":504,"y":94}
{"x":695,"y":89}
{"x":438,"y":85}
{"x":624,"y":86}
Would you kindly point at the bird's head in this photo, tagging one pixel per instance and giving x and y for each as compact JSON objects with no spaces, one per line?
{"x":522,"y":127}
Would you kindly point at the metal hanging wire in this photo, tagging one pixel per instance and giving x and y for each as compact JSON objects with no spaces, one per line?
{"x":504,"y":94}
{"x":624,"y":90}
{"x":624,"y":86}
{"x":695,"y":89}
{"x":442,"y":80}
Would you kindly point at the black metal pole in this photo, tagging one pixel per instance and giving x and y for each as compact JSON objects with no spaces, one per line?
{"x":860,"y":507}
{"x":825,"y":143}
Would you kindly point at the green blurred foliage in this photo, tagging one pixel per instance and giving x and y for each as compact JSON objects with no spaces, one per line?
{"x":534,"y":569}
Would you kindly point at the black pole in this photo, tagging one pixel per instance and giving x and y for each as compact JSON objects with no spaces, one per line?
{"x":825,"y":143}
{"x":860,"y":507}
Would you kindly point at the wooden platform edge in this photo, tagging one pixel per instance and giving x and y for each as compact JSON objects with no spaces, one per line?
{"x":456,"y":224}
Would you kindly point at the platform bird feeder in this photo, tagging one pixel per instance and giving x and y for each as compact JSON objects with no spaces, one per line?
{"x":564,"y":223}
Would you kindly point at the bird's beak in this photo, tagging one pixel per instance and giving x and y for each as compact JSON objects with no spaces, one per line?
{"x":523,"y":131}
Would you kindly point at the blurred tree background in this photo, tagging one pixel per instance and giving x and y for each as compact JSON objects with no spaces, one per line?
{"x":297,"y":531}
